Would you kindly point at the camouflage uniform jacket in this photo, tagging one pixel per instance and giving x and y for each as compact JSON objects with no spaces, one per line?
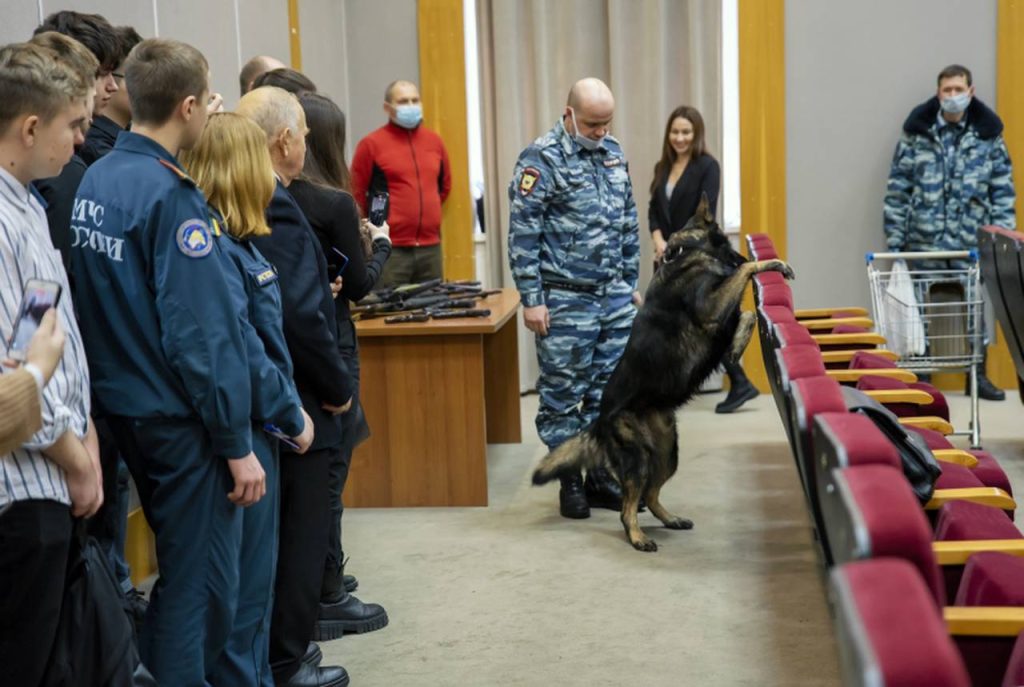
{"x":573,"y":218}
{"x":947,"y":183}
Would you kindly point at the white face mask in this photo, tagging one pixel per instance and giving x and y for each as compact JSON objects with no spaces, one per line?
{"x":956,"y":104}
{"x":583,"y":141}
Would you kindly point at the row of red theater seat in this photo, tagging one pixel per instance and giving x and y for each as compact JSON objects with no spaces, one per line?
{"x":921,"y":596}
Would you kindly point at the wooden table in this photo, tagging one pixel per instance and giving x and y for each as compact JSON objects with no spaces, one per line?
{"x":435,"y":394}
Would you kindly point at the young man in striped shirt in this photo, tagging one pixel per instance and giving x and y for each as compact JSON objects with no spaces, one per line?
{"x":44,"y":105}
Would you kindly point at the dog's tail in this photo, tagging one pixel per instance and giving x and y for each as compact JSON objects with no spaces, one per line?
{"x":582,"y":451}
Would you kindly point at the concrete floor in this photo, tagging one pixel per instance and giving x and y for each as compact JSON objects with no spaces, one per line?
{"x":513,"y":594}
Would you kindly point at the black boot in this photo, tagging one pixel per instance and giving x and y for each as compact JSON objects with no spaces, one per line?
{"x":346,"y":616}
{"x":313,"y":655}
{"x":335,"y":581}
{"x":316,"y":676}
{"x":740,"y":389}
{"x":986,"y":389}
{"x":602,"y":490}
{"x":572,"y":501}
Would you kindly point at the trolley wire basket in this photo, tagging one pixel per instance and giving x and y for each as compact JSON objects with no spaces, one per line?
{"x":929,"y":308}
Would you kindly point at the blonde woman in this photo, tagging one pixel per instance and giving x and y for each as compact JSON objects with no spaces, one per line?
{"x":232,"y":167}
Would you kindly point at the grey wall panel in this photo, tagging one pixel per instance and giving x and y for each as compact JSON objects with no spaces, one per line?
{"x":17,"y":20}
{"x":382,"y":45}
{"x":137,"y":13}
{"x":325,"y":50}
{"x":214,"y":35}
{"x":854,"y":70}
{"x":263,"y":27}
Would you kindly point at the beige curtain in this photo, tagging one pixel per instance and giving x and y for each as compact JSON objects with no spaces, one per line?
{"x":654,"y":54}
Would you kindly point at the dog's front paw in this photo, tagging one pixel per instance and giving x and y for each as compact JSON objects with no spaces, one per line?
{"x":679,"y":524}
{"x":644,"y":544}
{"x":786,"y":270}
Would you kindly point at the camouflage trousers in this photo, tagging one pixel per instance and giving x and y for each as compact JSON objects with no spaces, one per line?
{"x":585,"y":340}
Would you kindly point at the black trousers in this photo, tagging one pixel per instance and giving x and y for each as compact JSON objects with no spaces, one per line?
{"x":34,"y":541}
{"x":300,"y":558}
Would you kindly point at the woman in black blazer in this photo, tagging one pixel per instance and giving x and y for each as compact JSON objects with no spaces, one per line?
{"x":685,"y":172}
{"x":322,"y":193}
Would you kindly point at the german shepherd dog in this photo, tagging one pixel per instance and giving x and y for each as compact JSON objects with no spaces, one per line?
{"x":689,"y":322}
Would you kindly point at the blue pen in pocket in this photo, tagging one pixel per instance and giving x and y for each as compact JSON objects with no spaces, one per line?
{"x":275,"y":431}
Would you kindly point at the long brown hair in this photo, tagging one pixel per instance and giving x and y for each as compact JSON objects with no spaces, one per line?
{"x":325,"y":145}
{"x":668,"y":153}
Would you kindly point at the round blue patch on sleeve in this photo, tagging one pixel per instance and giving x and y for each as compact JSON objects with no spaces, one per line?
{"x":194,"y":238}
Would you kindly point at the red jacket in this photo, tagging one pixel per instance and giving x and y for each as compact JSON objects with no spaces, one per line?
{"x":412,"y":166}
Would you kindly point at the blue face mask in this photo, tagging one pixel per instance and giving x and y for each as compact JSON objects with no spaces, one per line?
{"x":583,"y":141}
{"x":408,"y":116}
{"x":956,"y":104}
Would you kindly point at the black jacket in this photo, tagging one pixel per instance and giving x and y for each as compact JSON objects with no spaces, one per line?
{"x":100,"y":139}
{"x":59,"y":194}
{"x":335,"y":221}
{"x":310,"y":327}
{"x":701,"y":175}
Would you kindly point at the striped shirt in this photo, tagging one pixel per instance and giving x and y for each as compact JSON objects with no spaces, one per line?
{"x":26,"y":252}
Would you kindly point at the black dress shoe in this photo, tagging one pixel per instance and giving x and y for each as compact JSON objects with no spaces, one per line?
{"x":313,"y":655}
{"x":350,"y":583}
{"x":310,"y":676}
{"x":602,"y":490}
{"x":986,"y":389}
{"x":348,"y":615}
{"x":572,"y":501}
{"x":737,"y":396}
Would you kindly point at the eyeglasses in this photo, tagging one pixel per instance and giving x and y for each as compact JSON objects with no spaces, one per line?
{"x":116,"y":75}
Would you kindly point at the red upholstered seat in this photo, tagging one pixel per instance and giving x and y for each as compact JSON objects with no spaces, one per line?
{"x":964,"y":520}
{"x":987,"y":470}
{"x":800,"y":362}
{"x":865,"y":360}
{"x":861,"y":441}
{"x":937,"y":407}
{"x":992,"y":578}
{"x":765,"y":252}
{"x":888,"y":625}
{"x":770,"y":278}
{"x":849,"y":329}
{"x":957,"y":477}
{"x":935,"y":440}
{"x":793,"y":334}
{"x":777,"y":294}
{"x":1015,"y":669}
{"x":778,"y":313}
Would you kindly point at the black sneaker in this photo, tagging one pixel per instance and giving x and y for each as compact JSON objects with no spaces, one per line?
{"x":736,"y":397}
{"x":348,"y":615}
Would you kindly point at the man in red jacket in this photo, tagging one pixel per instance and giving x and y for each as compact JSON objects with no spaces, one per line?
{"x":408,"y":162}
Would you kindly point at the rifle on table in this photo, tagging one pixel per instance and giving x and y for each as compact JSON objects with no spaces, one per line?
{"x":427,"y":315}
{"x":420,"y":297}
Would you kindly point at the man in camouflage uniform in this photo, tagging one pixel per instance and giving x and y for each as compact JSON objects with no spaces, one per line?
{"x":574,"y":253}
{"x":950,"y":176}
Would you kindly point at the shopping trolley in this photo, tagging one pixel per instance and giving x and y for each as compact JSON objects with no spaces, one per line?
{"x":931,"y":313}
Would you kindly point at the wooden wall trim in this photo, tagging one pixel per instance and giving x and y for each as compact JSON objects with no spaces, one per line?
{"x":762,"y":85}
{"x":294,"y":36}
{"x":443,"y":90}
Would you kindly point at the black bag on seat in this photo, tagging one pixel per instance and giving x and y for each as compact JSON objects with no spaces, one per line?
{"x":920,"y":466}
{"x":94,"y":643}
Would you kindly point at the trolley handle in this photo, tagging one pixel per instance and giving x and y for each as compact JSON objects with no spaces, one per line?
{"x":926,"y":255}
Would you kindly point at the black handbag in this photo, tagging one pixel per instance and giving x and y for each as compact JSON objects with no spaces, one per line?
{"x":95,"y":640}
{"x":920,"y":466}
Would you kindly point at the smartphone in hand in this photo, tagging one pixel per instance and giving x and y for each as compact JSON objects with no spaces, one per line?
{"x":275,"y":431}
{"x":39,"y":296}
{"x":379,"y":203}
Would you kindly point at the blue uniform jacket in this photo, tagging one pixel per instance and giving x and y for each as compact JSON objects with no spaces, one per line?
{"x":156,"y":310}
{"x":310,"y":325}
{"x":573,"y":217}
{"x":274,"y":397}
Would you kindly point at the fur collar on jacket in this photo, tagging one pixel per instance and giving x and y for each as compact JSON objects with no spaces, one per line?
{"x":985,"y":121}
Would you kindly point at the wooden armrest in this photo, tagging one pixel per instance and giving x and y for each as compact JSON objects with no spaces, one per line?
{"x":928,"y":422}
{"x":955,"y":455}
{"x":830,"y":357}
{"x":890,"y":372}
{"x":854,"y":339}
{"x":915,"y":396}
{"x":984,"y":496}
{"x":835,"y":322}
{"x":816,"y":313}
{"x":984,"y":621}
{"x":957,"y":552}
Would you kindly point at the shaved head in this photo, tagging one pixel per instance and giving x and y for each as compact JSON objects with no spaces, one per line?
{"x":254,"y":68}
{"x":401,"y":85}
{"x":589,"y":109}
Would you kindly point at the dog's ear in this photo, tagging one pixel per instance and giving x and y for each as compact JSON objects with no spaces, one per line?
{"x":704,"y":209}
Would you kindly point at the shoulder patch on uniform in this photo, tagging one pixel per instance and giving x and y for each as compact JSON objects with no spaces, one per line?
{"x":613,"y":162}
{"x":265,"y":277}
{"x":528,"y":180}
{"x":177,"y":171}
{"x":194,"y":238}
